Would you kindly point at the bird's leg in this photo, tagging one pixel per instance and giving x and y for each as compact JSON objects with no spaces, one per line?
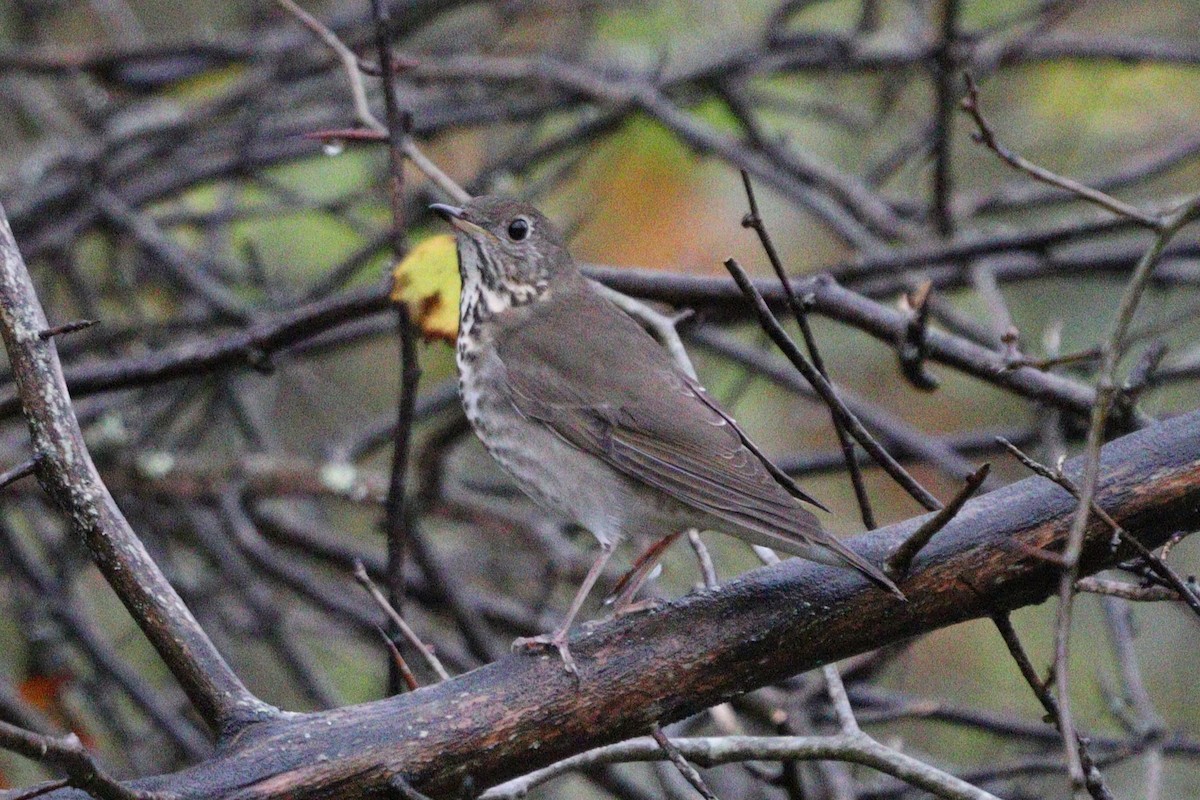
{"x":627,"y":588}
{"x":558,"y":639}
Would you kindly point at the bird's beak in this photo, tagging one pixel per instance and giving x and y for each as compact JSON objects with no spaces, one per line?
{"x":447,"y":212}
{"x":457,"y":217}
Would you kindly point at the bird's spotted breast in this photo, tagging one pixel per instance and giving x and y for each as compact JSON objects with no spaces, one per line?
{"x":554,"y":474}
{"x":513,"y":441}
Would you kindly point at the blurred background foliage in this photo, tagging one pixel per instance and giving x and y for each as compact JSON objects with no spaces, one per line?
{"x":635,"y":196}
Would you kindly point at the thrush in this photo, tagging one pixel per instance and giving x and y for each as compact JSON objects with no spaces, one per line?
{"x":593,"y":419}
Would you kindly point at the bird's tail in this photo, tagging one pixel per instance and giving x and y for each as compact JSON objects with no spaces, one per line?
{"x":806,"y":538}
{"x":844,"y":556}
{"x":801,"y":534}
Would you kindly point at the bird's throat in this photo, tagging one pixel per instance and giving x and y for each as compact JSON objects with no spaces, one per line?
{"x":488,"y":293}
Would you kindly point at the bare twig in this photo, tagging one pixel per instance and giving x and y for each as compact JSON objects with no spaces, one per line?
{"x":399,"y":662}
{"x":362,"y":106}
{"x":397,"y":520}
{"x":38,"y":791}
{"x":1142,"y":372}
{"x":68,"y":327}
{"x":901,"y":558}
{"x":705,"y":558}
{"x":16,"y":473}
{"x":986,"y":136}
{"x":1091,"y":354}
{"x":69,"y":755}
{"x":1135,"y":707}
{"x":1178,"y":537}
{"x":827,"y":393}
{"x":1158,"y":565}
{"x":839,"y":699}
{"x":360,"y":574}
{"x":1128,"y":591}
{"x":944,"y":65}
{"x":358,"y":89}
{"x":689,"y":773}
{"x":913,"y":348}
{"x":1092,"y":779}
{"x":713,"y":751}
{"x":754,"y":220}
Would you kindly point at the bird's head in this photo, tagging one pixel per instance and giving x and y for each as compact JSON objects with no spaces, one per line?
{"x":507,"y":246}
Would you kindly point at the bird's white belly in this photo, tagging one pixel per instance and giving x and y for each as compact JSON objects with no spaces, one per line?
{"x":556,"y":475}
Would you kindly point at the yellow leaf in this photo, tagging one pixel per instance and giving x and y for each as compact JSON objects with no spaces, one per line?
{"x":427,"y":281}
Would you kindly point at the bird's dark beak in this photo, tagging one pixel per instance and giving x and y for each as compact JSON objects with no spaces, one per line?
{"x":447,"y":212}
{"x":457,"y":217}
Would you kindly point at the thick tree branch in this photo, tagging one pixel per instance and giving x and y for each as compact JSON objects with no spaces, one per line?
{"x":65,"y":470}
{"x":522,"y":713}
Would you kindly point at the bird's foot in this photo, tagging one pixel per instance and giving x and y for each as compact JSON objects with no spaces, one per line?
{"x":556,"y":640}
{"x":638,"y":607}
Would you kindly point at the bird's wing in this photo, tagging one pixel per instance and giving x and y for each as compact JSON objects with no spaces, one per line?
{"x":600,"y":382}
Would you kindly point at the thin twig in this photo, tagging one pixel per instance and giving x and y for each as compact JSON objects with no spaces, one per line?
{"x":689,"y":773}
{"x":1128,"y":591}
{"x":914,"y":347}
{"x":68,"y":327}
{"x":1147,"y":722}
{"x":943,"y":65}
{"x":1091,"y":354}
{"x":1158,"y":565}
{"x":362,"y":106}
{"x":771,"y":325}
{"x":397,"y":518}
{"x":358,"y":89}
{"x":360,"y":574}
{"x":705,"y":558}
{"x":16,"y":473}
{"x":1142,"y":373}
{"x":1175,"y":539}
{"x":839,"y":699}
{"x":901,"y":559}
{"x":754,"y":220}
{"x":986,"y":135}
{"x":1092,"y":779}
{"x":38,"y":791}
{"x":399,"y":662}
{"x":716,"y":750}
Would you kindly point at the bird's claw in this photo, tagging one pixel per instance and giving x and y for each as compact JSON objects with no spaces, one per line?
{"x":638,"y":607}
{"x":628,"y":609}
{"x":558,"y":641}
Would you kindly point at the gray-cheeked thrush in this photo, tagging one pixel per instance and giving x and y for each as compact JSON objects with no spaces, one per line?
{"x":591,"y":416}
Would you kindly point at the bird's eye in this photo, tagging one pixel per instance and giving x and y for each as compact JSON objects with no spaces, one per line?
{"x":518,"y":229}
